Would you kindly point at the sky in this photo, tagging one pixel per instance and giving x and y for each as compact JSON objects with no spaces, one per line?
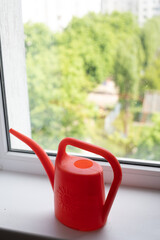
{"x":57,"y":13}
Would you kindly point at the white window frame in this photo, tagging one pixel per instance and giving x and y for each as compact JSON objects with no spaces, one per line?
{"x":133,"y":175}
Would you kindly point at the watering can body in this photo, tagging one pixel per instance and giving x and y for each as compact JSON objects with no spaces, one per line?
{"x":79,"y":193}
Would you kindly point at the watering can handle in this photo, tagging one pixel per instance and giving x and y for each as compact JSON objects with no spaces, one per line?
{"x":105,"y":154}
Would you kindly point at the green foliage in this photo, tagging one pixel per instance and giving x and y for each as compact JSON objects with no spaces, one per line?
{"x":94,"y":46}
{"x":126,"y":72}
{"x":151,"y":78}
{"x":38,"y":38}
{"x":43,"y":79}
{"x":151,"y":39}
{"x":148,"y":145}
{"x":127,"y":68}
{"x":63,"y":67}
{"x":56,"y":81}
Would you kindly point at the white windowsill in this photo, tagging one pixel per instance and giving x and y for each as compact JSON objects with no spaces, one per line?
{"x":27,"y":206}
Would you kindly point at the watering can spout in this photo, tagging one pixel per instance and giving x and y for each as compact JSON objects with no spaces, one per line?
{"x":41,"y":154}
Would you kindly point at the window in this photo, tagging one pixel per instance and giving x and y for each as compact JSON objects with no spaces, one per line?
{"x":71,"y":108}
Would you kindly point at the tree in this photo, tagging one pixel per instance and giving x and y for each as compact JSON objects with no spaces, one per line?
{"x":150,"y":36}
{"x":126,"y":75}
{"x":151,"y":78}
{"x":148,"y":145}
{"x":91,"y":39}
{"x":43,"y":74}
{"x":63,"y":67}
{"x":56,"y":81}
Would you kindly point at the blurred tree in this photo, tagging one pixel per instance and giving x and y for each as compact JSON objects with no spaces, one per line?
{"x":56,"y":81}
{"x":127,"y":76}
{"x":148,"y":144}
{"x":91,"y":39}
{"x":43,"y":75}
{"x":63,"y":67}
{"x":150,"y":36}
{"x":151,"y":77}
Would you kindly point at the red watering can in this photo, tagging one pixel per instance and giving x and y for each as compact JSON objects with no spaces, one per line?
{"x":79,"y":193}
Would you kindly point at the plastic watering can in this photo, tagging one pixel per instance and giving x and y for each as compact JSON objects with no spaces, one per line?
{"x":79,"y":193}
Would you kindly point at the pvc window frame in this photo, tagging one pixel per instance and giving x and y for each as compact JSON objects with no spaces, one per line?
{"x":139,"y":173}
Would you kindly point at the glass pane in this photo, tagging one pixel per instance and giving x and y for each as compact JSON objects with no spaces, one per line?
{"x":93,"y":72}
